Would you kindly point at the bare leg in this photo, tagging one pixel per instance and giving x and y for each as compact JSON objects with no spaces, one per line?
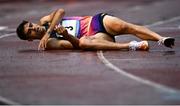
{"x":146,"y":34}
{"x":100,"y":41}
{"x":143,"y":32}
{"x":116,"y":26}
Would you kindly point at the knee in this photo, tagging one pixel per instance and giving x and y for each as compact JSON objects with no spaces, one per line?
{"x":87,"y":43}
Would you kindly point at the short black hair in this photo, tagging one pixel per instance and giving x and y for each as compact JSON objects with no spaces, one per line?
{"x":20,"y":30}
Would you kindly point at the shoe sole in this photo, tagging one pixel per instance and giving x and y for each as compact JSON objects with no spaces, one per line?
{"x":169,"y":42}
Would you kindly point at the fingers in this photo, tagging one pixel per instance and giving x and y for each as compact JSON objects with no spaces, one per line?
{"x":42,"y":44}
{"x":41,"y":47}
{"x":55,"y":28}
{"x":61,"y":30}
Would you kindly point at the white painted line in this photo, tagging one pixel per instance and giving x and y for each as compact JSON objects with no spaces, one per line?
{"x":7,"y":101}
{"x":135,"y":59}
{"x":6,"y":35}
{"x":131,"y":76}
{"x":11,"y":29}
{"x":3,"y":28}
{"x":136,"y":78}
{"x":166,"y":28}
{"x":135,"y":8}
{"x":164,"y":22}
{"x":33,"y":12}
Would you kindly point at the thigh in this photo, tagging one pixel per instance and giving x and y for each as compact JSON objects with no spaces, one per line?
{"x":95,"y":40}
{"x":114,"y":25}
{"x":103,"y":36}
{"x":100,"y":41}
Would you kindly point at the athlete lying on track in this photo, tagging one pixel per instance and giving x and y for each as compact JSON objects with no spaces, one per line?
{"x":88,"y":33}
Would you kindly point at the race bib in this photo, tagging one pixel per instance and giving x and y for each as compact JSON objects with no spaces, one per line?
{"x":72,"y":26}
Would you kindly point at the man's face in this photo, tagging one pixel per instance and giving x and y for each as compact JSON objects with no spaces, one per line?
{"x":34,"y":31}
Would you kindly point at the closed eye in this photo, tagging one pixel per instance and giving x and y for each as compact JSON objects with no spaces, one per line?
{"x":29,"y":30}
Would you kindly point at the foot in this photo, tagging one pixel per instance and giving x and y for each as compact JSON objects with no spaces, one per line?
{"x":143,"y":45}
{"x":167,"y":41}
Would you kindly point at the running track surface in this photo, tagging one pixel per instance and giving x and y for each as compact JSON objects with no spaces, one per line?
{"x":28,"y":76}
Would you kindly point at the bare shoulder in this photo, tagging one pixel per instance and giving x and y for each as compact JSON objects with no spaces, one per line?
{"x":44,"y":20}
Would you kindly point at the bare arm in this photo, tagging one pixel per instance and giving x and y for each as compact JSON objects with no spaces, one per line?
{"x":53,"y":19}
{"x":63,"y":31}
{"x":55,"y":44}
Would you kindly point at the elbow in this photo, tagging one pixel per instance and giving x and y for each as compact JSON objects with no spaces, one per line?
{"x":82,"y":45}
{"x":61,"y":11}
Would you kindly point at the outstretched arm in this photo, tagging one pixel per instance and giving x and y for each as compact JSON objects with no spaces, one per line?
{"x":53,"y":18}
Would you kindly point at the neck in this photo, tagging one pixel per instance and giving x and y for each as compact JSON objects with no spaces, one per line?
{"x":42,"y":33}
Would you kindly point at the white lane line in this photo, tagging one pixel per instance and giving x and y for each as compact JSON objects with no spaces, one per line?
{"x":3,"y":28}
{"x":7,"y":101}
{"x":6,"y":35}
{"x":164,"y":22}
{"x":2,"y":99}
{"x":6,"y":28}
{"x":10,"y":29}
{"x":135,"y":59}
{"x":136,"y":78}
{"x":166,"y":28}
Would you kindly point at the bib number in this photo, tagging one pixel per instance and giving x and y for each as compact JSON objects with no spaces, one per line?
{"x":72,"y":26}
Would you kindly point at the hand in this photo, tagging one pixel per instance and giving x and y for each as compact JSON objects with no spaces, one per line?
{"x":61,"y":30}
{"x":43,"y":42}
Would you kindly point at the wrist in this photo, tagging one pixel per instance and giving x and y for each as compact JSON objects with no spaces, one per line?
{"x":49,"y":32}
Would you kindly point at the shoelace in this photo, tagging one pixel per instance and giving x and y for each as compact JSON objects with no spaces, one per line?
{"x":161,"y":42}
{"x":133,"y":45}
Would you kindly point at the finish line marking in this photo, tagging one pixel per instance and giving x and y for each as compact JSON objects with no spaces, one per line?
{"x":136,"y":78}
